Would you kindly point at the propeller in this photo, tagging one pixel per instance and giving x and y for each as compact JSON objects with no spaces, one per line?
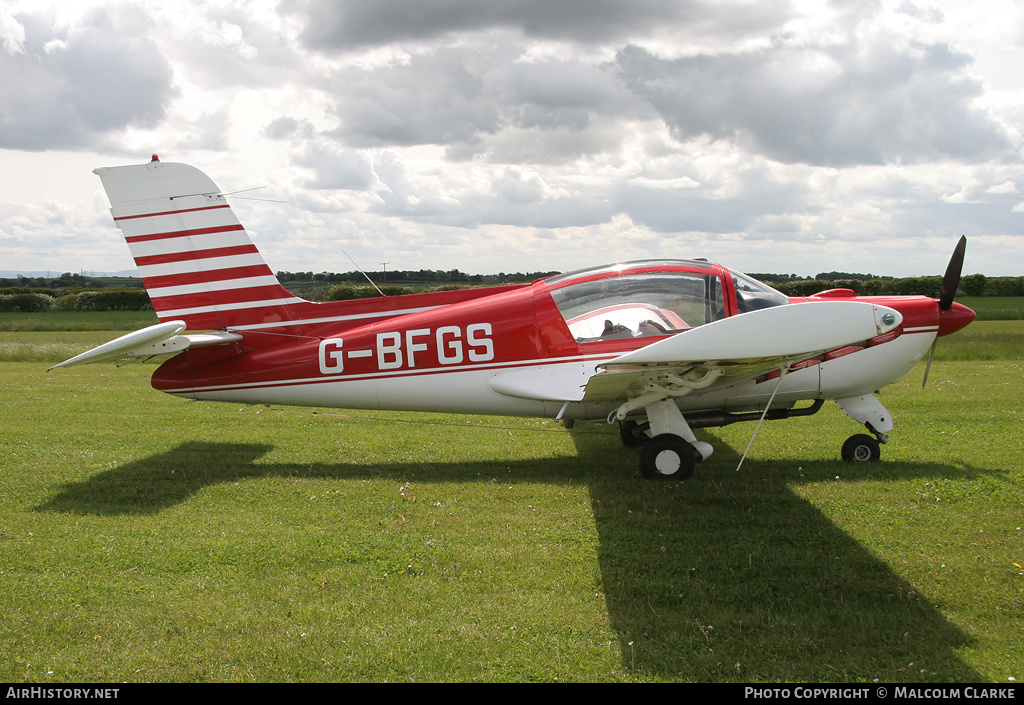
{"x":950,"y":282}
{"x":951,"y":279}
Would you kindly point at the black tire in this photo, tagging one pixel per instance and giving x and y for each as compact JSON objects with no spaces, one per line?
{"x":633,"y":434}
{"x":667,"y":457}
{"x":861,"y":448}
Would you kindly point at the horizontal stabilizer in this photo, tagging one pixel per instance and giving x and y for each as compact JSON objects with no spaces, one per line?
{"x":160,"y":339}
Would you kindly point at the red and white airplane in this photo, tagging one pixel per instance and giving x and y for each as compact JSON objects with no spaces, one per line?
{"x":659,"y":346}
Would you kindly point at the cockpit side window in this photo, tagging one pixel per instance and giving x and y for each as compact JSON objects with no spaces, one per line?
{"x":634,"y":306}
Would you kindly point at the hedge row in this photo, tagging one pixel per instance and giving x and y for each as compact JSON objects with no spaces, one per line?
{"x":106,"y":300}
{"x":344,"y":292}
{"x":970,"y":285}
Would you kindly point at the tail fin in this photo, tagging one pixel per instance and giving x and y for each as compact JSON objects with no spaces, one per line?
{"x":196,"y":260}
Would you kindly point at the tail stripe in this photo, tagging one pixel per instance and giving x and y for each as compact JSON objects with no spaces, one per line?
{"x":173,"y":269}
{"x":119,"y":218}
{"x":183,"y":233}
{"x":185,"y":278}
{"x":205,"y":241}
{"x":196,"y":255}
{"x":176,"y":221}
{"x":212,"y":285}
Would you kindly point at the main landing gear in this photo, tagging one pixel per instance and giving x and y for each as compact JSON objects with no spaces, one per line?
{"x":669,"y":450}
{"x":666,"y":456}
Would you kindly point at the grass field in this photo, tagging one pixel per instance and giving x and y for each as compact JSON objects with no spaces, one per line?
{"x":995,"y":308}
{"x":143,"y":538}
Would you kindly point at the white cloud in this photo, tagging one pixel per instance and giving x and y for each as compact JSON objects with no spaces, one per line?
{"x":532,"y":135}
{"x":77,"y":87}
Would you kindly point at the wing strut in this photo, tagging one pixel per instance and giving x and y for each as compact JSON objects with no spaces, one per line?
{"x":782,"y":376}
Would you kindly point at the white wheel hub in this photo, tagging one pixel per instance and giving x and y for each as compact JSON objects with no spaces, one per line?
{"x":668,"y":462}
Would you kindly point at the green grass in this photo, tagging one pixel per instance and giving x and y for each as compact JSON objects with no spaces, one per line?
{"x":984,"y":340}
{"x":143,"y":538}
{"x":995,"y":308}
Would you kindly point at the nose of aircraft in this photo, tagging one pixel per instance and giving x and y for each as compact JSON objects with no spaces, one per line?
{"x":957,"y":317}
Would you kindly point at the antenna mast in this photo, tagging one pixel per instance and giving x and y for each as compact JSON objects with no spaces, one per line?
{"x":359,"y":269}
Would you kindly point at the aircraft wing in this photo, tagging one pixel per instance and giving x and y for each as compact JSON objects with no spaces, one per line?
{"x":741,"y":347}
{"x":160,"y":339}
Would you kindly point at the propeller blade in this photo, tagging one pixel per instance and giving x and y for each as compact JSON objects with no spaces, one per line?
{"x":950,"y":283}
{"x":928,"y":366}
{"x":951,"y":279}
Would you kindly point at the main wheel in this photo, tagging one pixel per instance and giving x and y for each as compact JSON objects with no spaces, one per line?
{"x":667,"y":456}
{"x":861,"y":448}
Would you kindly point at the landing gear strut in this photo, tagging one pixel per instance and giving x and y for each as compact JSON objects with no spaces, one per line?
{"x":633,"y":434}
{"x":672,"y":450}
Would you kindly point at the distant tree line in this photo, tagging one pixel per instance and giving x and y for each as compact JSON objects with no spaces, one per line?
{"x":970,"y":285}
{"x":69,"y":280}
{"x":328,"y":286}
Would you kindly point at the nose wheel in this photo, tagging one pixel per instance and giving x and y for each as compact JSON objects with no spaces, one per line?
{"x":861,"y":448}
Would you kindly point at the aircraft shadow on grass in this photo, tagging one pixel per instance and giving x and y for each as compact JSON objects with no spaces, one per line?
{"x":713,"y":578}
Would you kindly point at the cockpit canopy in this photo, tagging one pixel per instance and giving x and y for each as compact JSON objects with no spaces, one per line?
{"x":652,"y":298}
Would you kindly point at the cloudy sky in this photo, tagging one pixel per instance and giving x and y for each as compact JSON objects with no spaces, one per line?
{"x":526,"y":135}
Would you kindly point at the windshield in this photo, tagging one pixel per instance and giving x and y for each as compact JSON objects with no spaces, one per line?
{"x":752,"y":295}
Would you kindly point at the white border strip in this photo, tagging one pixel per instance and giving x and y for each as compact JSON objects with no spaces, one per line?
{"x":207,"y":264}
{"x":221,"y":285}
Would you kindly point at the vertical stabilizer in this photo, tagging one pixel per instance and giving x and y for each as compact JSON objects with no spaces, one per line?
{"x":196,"y":260}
